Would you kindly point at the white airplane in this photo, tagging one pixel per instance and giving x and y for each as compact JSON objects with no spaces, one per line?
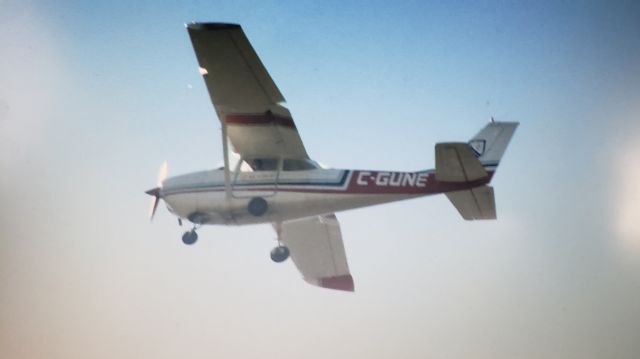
{"x":276,"y":182}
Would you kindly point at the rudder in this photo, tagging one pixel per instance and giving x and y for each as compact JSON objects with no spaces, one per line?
{"x":491,"y":142}
{"x":468,"y":162}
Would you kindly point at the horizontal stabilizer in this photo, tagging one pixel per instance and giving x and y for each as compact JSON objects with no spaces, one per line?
{"x":475,"y":203}
{"x":455,"y":162}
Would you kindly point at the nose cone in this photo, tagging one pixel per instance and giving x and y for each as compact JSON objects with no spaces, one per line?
{"x":153,"y":192}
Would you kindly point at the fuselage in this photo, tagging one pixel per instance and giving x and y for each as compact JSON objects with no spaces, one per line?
{"x":203,"y":197}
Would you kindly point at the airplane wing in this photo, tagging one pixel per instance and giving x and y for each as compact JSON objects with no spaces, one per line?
{"x":243,"y":94}
{"x":316,"y":248}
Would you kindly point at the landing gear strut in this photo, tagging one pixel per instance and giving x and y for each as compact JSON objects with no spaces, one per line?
{"x":198,"y":219}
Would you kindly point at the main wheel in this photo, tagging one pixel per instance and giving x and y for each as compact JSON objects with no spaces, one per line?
{"x":257,"y":206}
{"x":279,"y":254}
{"x":189,"y":237}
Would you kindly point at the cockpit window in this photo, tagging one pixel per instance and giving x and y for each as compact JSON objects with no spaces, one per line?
{"x":263,"y":164}
{"x":298,"y":165}
{"x":271,"y":164}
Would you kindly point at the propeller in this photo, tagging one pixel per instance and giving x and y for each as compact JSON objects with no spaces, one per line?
{"x":155,"y":192}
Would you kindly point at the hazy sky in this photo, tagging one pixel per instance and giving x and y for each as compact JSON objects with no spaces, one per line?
{"x":95,"y":95}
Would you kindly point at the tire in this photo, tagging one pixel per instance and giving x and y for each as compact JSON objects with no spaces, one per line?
{"x":257,"y":206}
{"x":279,"y":254}
{"x":189,"y":237}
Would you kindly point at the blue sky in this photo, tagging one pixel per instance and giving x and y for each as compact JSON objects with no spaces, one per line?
{"x":95,"y":95}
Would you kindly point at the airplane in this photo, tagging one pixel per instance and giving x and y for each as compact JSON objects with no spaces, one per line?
{"x":276,"y":182}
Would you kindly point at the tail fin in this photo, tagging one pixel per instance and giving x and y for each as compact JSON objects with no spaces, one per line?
{"x":491,"y":142}
{"x":460,"y":162}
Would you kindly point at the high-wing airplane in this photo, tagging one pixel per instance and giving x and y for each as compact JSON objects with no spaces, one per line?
{"x":276,"y":182}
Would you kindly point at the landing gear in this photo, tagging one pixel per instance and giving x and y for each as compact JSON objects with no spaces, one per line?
{"x":257,"y":206}
{"x":190,"y":237}
{"x":198,"y":219}
{"x":279,"y":254}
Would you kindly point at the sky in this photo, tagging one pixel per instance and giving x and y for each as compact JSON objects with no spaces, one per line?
{"x":95,"y":95}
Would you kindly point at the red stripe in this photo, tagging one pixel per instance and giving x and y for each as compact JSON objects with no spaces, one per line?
{"x":266,"y":118}
{"x":372,"y":182}
{"x":380,"y":182}
{"x":343,"y":282}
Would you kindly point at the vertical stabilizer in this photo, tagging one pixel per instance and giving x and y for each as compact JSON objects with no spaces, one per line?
{"x":491,"y":142}
{"x":464,"y":163}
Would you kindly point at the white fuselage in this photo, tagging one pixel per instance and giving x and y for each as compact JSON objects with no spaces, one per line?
{"x":292,"y":194}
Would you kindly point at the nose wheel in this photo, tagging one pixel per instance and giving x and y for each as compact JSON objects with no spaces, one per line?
{"x":198,"y":219}
{"x":279,"y":254}
{"x":190,"y":237}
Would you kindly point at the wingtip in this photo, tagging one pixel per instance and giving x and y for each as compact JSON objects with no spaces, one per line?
{"x":343,"y":282}
{"x":211,"y":26}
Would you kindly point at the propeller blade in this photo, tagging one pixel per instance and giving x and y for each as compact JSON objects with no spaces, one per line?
{"x":162,"y":173}
{"x":155,"y":192}
{"x":154,"y":205}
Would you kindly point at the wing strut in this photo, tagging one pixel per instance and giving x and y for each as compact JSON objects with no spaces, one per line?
{"x":225,"y":154}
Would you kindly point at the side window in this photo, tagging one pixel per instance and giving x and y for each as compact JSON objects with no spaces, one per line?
{"x":263,"y":164}
{"x":298,"y":165}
